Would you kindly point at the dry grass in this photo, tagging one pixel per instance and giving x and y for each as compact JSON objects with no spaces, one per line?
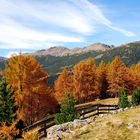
{"x":31,"y":135}
{"x":112,"y":101}
{"x":111,"y":127}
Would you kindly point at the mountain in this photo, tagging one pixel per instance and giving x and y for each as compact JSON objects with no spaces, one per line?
{"x":129,"y":53}
{"x":2,"y":62}
{"x":2,"y":59}
{"x":63,"y":51}
{"x":53,"y":51}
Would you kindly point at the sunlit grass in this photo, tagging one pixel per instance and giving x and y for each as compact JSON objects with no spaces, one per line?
{"x":111,"y":127}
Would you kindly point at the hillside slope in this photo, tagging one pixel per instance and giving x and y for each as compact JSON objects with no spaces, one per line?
{"x":129,"y":53}
{"x":122,"y":126}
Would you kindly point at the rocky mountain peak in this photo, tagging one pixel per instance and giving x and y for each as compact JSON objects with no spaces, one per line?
{"x":63,"y":51}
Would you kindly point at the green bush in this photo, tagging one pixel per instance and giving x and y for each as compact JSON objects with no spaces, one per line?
{"x":136,"y":97}
{"x":67,"y":111}
{"x":123,"y":100}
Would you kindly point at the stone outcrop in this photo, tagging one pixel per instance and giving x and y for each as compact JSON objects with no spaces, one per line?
{"x":63,"y":130}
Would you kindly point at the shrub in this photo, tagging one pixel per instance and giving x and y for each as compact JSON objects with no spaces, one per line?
{"x":136,"y":97}
{"x":67,"y":111}
{"x":123,"y":100}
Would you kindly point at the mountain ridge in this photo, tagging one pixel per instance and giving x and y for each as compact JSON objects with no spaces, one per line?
{"x":63,"y":51}
{"x":129,"y":53}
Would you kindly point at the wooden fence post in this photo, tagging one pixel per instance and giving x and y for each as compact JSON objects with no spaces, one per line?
{"x":45,"y":131}
{"x":108,"y":109}
{"x":98,"y":105}
{"x":83,"y":111}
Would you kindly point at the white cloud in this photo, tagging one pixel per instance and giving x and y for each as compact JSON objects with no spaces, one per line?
{"x":95,"y":14}
{"x":21,"y":37}
{"x":12,"y":53}
{"x":73,"y":21}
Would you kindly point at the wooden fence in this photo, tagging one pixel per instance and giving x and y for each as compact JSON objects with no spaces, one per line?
{"x":85,"y":112}
{"x":93,"y":110}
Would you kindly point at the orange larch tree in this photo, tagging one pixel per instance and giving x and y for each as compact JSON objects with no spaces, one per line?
{"x":29,"y":82}
{"x":102,"y":84}
{"x":135,"y":72}
{"x":62,"y":84}
{"x":84,"y":82}
{"x":118,"y":78}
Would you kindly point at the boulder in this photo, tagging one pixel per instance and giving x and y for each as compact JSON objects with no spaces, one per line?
{"x":126,"y":108}
{"x":63,"y":130}
{"x":120,"y":110}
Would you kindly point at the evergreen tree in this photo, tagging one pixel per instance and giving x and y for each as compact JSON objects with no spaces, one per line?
{"x":67,"y":111}
{"x":136,"y":97}
{"x":8,"y":113}
{"x":123,"y":100}
{"x":7,"y":104}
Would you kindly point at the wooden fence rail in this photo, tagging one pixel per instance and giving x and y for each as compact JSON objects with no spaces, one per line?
{"x":85,"y":112}
{"x":42,"y":126}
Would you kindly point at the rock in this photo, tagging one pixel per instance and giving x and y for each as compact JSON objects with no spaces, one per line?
{"x":120,"y":110}
{"x":114,"y":112}
{"x":101,"y":115}
{"x":126,"y":108}
{"x":130,"y":126}
{"x":65,"y":129}
{"x":79,"y":123}
{"x":91,"y":119}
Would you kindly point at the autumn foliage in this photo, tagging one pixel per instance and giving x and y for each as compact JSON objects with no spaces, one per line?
{"x":135,"y":72}
{"x":62,"y":84}
{"x":102,"y":83}
{"x":29,"y":82}
{"x":86,"y":81}
{"x":89,"y":82}
{"x":118,"y":78}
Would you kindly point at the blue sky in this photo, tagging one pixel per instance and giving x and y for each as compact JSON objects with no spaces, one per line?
{"x":29,"y":25}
